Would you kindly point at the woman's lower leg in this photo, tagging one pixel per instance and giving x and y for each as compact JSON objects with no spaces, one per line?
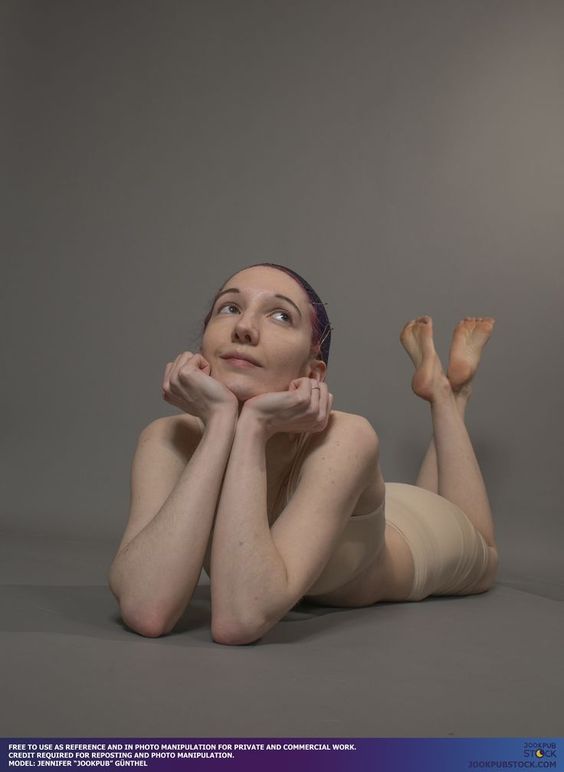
{"x":450,"y":467}
{"x":428,"y":476}
{"x":459,"y":477}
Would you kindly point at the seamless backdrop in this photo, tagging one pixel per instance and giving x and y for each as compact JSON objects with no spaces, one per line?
{"x":406,"y":158}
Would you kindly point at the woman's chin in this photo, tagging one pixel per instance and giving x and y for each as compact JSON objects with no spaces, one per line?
{"x":242,"y":391}
{"x":243,"y":388}
{"x":243,"y":395}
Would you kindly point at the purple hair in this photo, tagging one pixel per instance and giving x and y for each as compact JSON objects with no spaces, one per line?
{"x":321,"y":327}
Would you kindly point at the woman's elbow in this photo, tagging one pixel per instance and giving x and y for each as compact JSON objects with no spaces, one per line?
{"x":147,"y":625}
{"x":147,"y":628}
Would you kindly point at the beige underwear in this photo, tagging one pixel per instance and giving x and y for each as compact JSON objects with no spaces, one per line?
{"x":450,"y":555}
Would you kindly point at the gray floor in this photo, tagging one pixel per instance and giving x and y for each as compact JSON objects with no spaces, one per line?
{"x":486,"y":665}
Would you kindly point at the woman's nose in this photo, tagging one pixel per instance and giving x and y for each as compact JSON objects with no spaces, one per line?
{"x":246,"y":329}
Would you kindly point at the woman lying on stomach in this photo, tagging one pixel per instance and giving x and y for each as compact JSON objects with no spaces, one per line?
{"x":278,"y":496}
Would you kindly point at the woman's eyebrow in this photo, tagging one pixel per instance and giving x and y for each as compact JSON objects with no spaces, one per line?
{"x":235,"y":289}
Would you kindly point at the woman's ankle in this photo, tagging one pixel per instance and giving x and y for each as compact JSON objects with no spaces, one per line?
{"x":462,"y":396}
{"x":442,"y":392}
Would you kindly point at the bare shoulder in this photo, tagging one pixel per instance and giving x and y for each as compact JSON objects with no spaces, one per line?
{"x":180,"y":433}
{"x":347,"y":439}
{"x":351,"y":442}
{"x":347,"y":428}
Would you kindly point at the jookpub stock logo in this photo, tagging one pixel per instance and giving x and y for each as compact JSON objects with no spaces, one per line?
{"x":539,"y":754}
{"x":539,"y":750}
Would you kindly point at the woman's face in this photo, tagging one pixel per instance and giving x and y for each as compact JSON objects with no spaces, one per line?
{"x":248,"y":319}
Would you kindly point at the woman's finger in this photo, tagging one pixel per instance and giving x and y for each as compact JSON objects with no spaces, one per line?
{"x":202,"y":363}
{"x":323,"y":401}
{"x":315,"y":395}
{"x":179,"y":362}
{"x":164,"y":384}
{"x":304,"y":391}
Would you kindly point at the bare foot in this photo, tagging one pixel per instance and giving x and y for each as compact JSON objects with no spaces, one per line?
{"x":468,"y":339}
{"x":429,"y":380}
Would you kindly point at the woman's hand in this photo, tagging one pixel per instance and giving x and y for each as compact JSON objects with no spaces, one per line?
{"x":188,"y":385}
{"x":303,"y":408}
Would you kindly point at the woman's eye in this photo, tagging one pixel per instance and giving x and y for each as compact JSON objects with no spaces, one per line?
{"x":226,"y":305}
{"x":232,"y":305}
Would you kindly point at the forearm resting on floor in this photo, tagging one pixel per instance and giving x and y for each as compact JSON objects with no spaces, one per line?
{"x":155,"y":574}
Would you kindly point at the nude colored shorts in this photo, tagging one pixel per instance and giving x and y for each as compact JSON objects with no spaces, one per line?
{"x":449,"y":553}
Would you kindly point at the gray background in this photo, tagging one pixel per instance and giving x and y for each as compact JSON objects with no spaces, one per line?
{"x":404,"y":157}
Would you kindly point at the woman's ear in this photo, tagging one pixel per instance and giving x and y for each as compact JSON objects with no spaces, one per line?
{"x":317,"y":370}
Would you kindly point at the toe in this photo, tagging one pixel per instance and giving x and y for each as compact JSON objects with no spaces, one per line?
{"x":405,"y":329}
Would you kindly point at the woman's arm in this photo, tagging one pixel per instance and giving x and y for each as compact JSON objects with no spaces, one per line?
{"x":260,"y":573}
{"x":247,"y":569}
{"x":154,"y":575}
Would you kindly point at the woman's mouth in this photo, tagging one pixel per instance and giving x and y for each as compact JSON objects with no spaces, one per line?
{"x":236,"y":362}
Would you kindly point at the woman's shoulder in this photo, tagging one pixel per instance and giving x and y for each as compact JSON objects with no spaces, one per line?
{"x":181,"y":432}
{"x":352,"y":418}
{"x":182,"y":422}
{"x":344,"y":434}
{"x":347,"y":436}
{"x":184,"y":431}
{"x":186,"y":423}
{"x":349,"y":424}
